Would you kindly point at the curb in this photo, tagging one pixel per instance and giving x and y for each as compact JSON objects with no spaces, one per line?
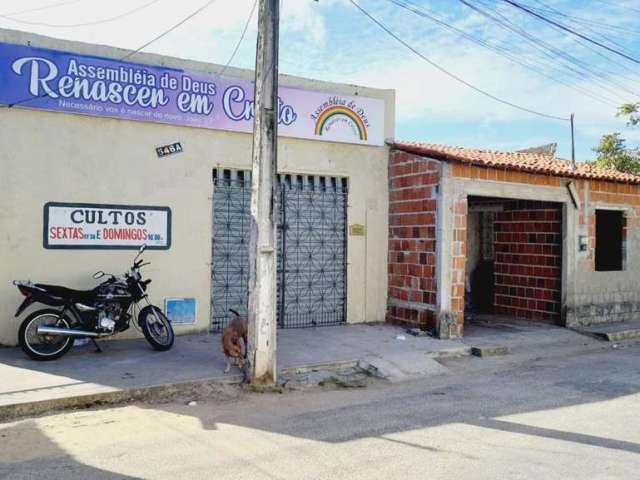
{"x":310,"y":367}
{"x":619,"y":336}
{"x":9,"y":412}
{"x":489,"y":351}
{"x":450,"y":353}
{"x":119,"y":397}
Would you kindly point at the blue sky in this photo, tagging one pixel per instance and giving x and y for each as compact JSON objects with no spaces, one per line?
{"x":331,"y":40}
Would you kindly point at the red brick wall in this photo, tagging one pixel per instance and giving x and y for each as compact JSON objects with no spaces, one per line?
{"x":459,"y":255}
{"x":528,"y":260}
{"x":413,"y":184}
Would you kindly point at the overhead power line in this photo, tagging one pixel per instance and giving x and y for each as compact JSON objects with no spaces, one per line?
{"x":85,"y":24}
{"x":571,"y":31}
{"x":169,"y":30}
{"x":448,"y":73}
{"x":242,"y":35}
{"x":503,"y":52}
{"x":137,"y":50}
{"x":548,"y":9}
{"x":573,"y":64}
{"x":589,"y":26}
{"x":616,"y":4}
{"x":38,"y":9}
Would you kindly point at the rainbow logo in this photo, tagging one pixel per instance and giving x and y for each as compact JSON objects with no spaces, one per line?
{"x":340,"y":111}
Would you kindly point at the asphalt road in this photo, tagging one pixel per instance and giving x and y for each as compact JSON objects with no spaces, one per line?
{"x":564,"y":418}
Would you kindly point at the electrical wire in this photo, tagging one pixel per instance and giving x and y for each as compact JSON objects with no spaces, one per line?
{"x":503,"y":52}
{"x":169,"y":30}
{"x":137,"y":50}
{"x":85,"y":24}
{"x":589,"y":26}
{"x":571,"y":31}
{"x":448,"y":73}
{"x":38,"y":9}
{"x":603,"y":78}
{"x":553,"y":53}
{"x":573,"y":64}
{"x":629,"y":74}
{"x":616,"y":4}
{"x":240,"y":40}
{"x":584,"y":21}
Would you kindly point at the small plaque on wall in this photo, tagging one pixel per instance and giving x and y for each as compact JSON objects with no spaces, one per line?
{"x":180,"y":310}
{"x":357,"y":230}
{"x":172,"y":149}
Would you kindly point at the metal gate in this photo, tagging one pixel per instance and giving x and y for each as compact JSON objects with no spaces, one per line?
{"x":311,"y":248}
{"x":230,"y":255}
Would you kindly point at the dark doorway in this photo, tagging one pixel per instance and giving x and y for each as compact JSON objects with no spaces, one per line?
{"x":479,"y":265}
{"x":514,"y":259}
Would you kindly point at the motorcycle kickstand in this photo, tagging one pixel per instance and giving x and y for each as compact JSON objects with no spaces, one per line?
{"x":95,"y":344}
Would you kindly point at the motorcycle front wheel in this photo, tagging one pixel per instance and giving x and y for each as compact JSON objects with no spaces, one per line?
{"x":156,"y":327}
{"x":42,"y":346}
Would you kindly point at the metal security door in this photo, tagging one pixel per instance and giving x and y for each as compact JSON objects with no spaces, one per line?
{"x":312,"y":251}
{"x":230,"y":255}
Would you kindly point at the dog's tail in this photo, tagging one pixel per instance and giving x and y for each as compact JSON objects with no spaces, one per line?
{"x":234,"y":312}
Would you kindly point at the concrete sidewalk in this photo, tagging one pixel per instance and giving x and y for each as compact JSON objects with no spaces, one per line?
{"x":131,"y":370}
{"x":131,"y":366}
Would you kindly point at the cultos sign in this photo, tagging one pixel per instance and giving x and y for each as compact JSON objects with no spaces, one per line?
{"x":92,"y":226}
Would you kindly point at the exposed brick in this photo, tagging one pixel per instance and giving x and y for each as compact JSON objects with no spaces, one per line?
{"x":412,"y":216}
{"x":528,"y":259}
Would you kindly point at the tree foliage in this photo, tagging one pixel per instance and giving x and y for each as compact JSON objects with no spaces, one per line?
{"x":631,"y":110}
{"x":612,"y":153}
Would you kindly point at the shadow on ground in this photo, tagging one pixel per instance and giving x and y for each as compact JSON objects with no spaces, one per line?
{"x":42,"y":457}
{"x":483,"y":400}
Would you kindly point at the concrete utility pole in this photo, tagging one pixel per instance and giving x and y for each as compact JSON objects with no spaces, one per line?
{"x":262,"y":246}
{"x":573,"y":145}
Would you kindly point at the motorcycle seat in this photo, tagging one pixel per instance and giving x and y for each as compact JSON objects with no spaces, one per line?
{"x":69,"y":293}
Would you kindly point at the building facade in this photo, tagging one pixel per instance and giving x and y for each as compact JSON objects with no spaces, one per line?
{"x":521,"y":235}
{"x":101,"y":153}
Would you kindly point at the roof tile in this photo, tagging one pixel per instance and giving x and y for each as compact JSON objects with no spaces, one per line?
{"x":527,"y":162}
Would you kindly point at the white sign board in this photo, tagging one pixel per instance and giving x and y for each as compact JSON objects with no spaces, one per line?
{"x":97,"y":226}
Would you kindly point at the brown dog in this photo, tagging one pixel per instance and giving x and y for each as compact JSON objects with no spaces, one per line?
{"x":232,"y":347}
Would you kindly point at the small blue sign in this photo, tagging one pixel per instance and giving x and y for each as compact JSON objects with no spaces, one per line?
{"x":180,"y":310}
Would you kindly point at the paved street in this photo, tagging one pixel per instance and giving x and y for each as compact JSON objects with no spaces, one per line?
{"x":561,"y":418}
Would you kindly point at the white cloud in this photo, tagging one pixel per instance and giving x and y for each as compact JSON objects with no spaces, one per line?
{"x":330,"y":40}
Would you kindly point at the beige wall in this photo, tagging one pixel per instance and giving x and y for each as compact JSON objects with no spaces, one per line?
{"x":72,"y":158}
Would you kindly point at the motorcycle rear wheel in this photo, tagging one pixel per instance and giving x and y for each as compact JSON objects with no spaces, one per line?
{"x":44,"y":347}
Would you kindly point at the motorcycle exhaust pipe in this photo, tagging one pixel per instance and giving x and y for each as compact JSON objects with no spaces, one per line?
{"x":65,"y":332}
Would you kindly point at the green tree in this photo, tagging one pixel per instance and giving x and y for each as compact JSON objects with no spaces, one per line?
{"x":612,"y":153}
{"x":631,"y":110}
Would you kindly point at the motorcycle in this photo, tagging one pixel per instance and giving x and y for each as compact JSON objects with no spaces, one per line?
{"x":49,"y":333}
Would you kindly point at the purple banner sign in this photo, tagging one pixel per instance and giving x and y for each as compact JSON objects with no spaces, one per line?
{"x":66,"y":82}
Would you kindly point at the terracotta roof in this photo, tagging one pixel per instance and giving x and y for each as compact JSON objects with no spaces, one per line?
{"x":527,"y":162}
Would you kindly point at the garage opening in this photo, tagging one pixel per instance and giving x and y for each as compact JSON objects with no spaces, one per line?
{"x":312,"y":248}
{"x":513,"y":260}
